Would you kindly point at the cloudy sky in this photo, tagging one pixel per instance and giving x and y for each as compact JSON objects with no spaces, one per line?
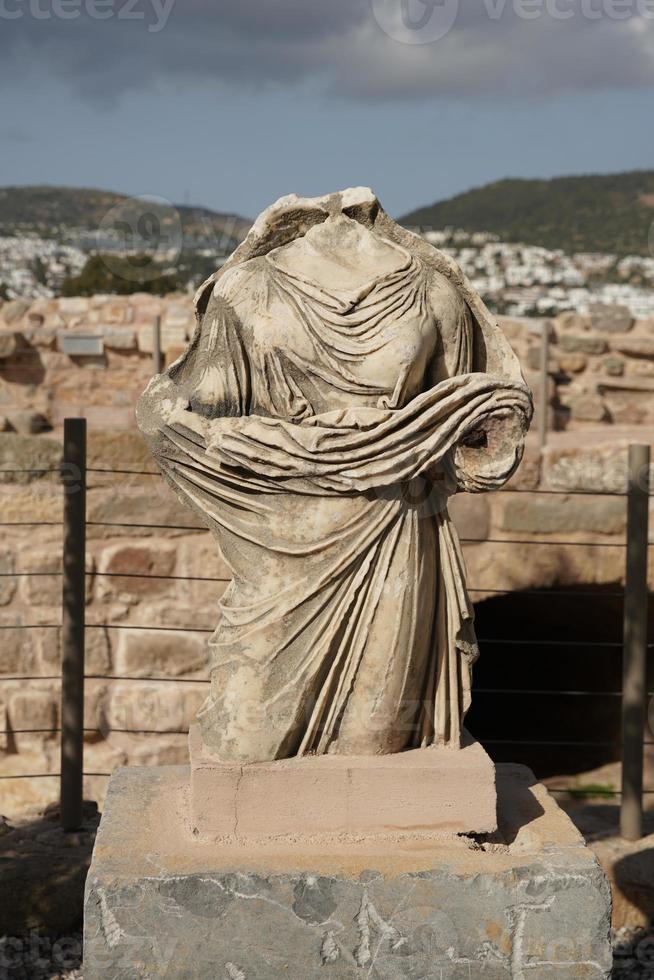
{"x":232,"y":103}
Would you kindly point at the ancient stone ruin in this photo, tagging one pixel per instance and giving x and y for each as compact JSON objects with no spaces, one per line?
{"x":343,"y":381}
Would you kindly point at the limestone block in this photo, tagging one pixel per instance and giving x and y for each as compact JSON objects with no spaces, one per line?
{"x":96,"y":696}
{"x":27,"y":422}
{"x":4,"y":726}
{"x":610,"y":318}
{"x":19,"y":452}
{"x":18,"y":655}
{"x":602,"y":467}
{"x":533,"y":360}
{"x":146,"y":559}
{"x":613,"y":366}
{"x":527,"y":476}
{"x":133,"y":504}
{"x":124,"y":340}
{"x":643,"y":369}
{"x":471,"y":515}
{"x":97,"y":650}
{"x":530,"y":902}
{"x":628,"y":383}
{"x":45,"y":590}
{"x":628,"y":409}
{"x":573,"y":363}
{"x":512,"y":327}
{"x":178,"y":315}
{"x":199,"y":557}
{"x":634,"y":346}
{"x":171,"y":750}
{"x":585,"y":406}
{"x":73,"y":306}
{"x":118,"y":450}
{"x":583,"y":344}
{"x":149,"y":707}
{"x":33,"y":710}
{"x":8,"y":344}
{"x":571,"y":321}
{"x":14,"y":310}
{"x":7,"y":580}
{"x":440,"y":790}
{"x":171,"y":336}
{"x":554,"y":515}
{"x":145,"y":653}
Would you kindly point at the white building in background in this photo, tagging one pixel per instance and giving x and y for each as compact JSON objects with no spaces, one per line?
{"x":512,"y":277}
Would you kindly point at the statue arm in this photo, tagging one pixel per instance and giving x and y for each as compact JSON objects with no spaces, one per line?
{"x":462,"y":348}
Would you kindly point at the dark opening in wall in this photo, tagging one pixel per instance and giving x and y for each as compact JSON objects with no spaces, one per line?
{"x":558,"y":619}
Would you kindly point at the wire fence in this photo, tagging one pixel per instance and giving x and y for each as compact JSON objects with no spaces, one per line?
{"x":634,"y":646}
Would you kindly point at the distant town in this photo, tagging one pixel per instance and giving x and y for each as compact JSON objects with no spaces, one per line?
{"x":514,"y":279}
{"x":527,"y":280}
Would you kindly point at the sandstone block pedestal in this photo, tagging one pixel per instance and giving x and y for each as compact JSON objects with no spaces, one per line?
{"x":526,"y":903}
{"x":424,"y":790}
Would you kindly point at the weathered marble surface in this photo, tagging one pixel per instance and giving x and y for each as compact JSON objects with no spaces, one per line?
{"x":344,"y":380}
{"x":528,"y":904}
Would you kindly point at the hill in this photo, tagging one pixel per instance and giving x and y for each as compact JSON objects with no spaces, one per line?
{"x":594,"y":213}
{"x":54,"y":212}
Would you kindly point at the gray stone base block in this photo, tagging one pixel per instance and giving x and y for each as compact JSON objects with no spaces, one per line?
{"x":528,"y":903}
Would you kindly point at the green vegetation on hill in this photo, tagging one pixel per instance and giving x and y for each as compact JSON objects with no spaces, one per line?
{"x":595,"y":213}
{"x":49,"y":211}
{"x":121,"y":276}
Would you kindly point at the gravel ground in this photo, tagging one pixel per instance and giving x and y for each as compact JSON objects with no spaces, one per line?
{"x":633,"y":954}
{"x":59,"y":958}
{"x":38,"y":957}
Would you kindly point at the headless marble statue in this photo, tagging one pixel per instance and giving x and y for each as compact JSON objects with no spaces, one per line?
{"x":343,"y":381}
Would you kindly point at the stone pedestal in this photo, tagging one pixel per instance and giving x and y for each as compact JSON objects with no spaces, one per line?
{"x":425,"y":790}
{"x":527,"y":903}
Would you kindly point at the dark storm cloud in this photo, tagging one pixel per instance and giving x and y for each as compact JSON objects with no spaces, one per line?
{"x":373,"y":50}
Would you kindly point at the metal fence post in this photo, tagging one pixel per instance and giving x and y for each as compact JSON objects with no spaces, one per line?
{"x":156,"y":346}
{"x":544,"y":383}
{"x":73,"y":623}
{"x":634,"y":682}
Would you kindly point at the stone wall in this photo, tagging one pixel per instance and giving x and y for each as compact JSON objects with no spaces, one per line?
{"x":601,"y":366}
{"x":159,"y":710}
{"x":39,"y":380}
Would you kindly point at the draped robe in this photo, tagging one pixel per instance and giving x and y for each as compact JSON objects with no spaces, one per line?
{"x":318,"y":428}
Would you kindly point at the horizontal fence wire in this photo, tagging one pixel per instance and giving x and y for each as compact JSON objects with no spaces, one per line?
{"x":31,"y":677}
{"x":490,"y":641}
{"x":157,"y":527}
{"x":97,"y":731}
{"x":100,"y":469}
{"x":185,"y":731}
{"x":568,"y":593}
{"x":26,"y":574}
{"x":543,"y":593}
{"x":516,"y":541}
{"x":51,"y":775}
{"x":31,"y":523}
{"x":170,"y":578}
{"x":30,"y":626}
{"x":31,"y":470}
{"x":147,"y":680}
{"x":574,"y":544}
